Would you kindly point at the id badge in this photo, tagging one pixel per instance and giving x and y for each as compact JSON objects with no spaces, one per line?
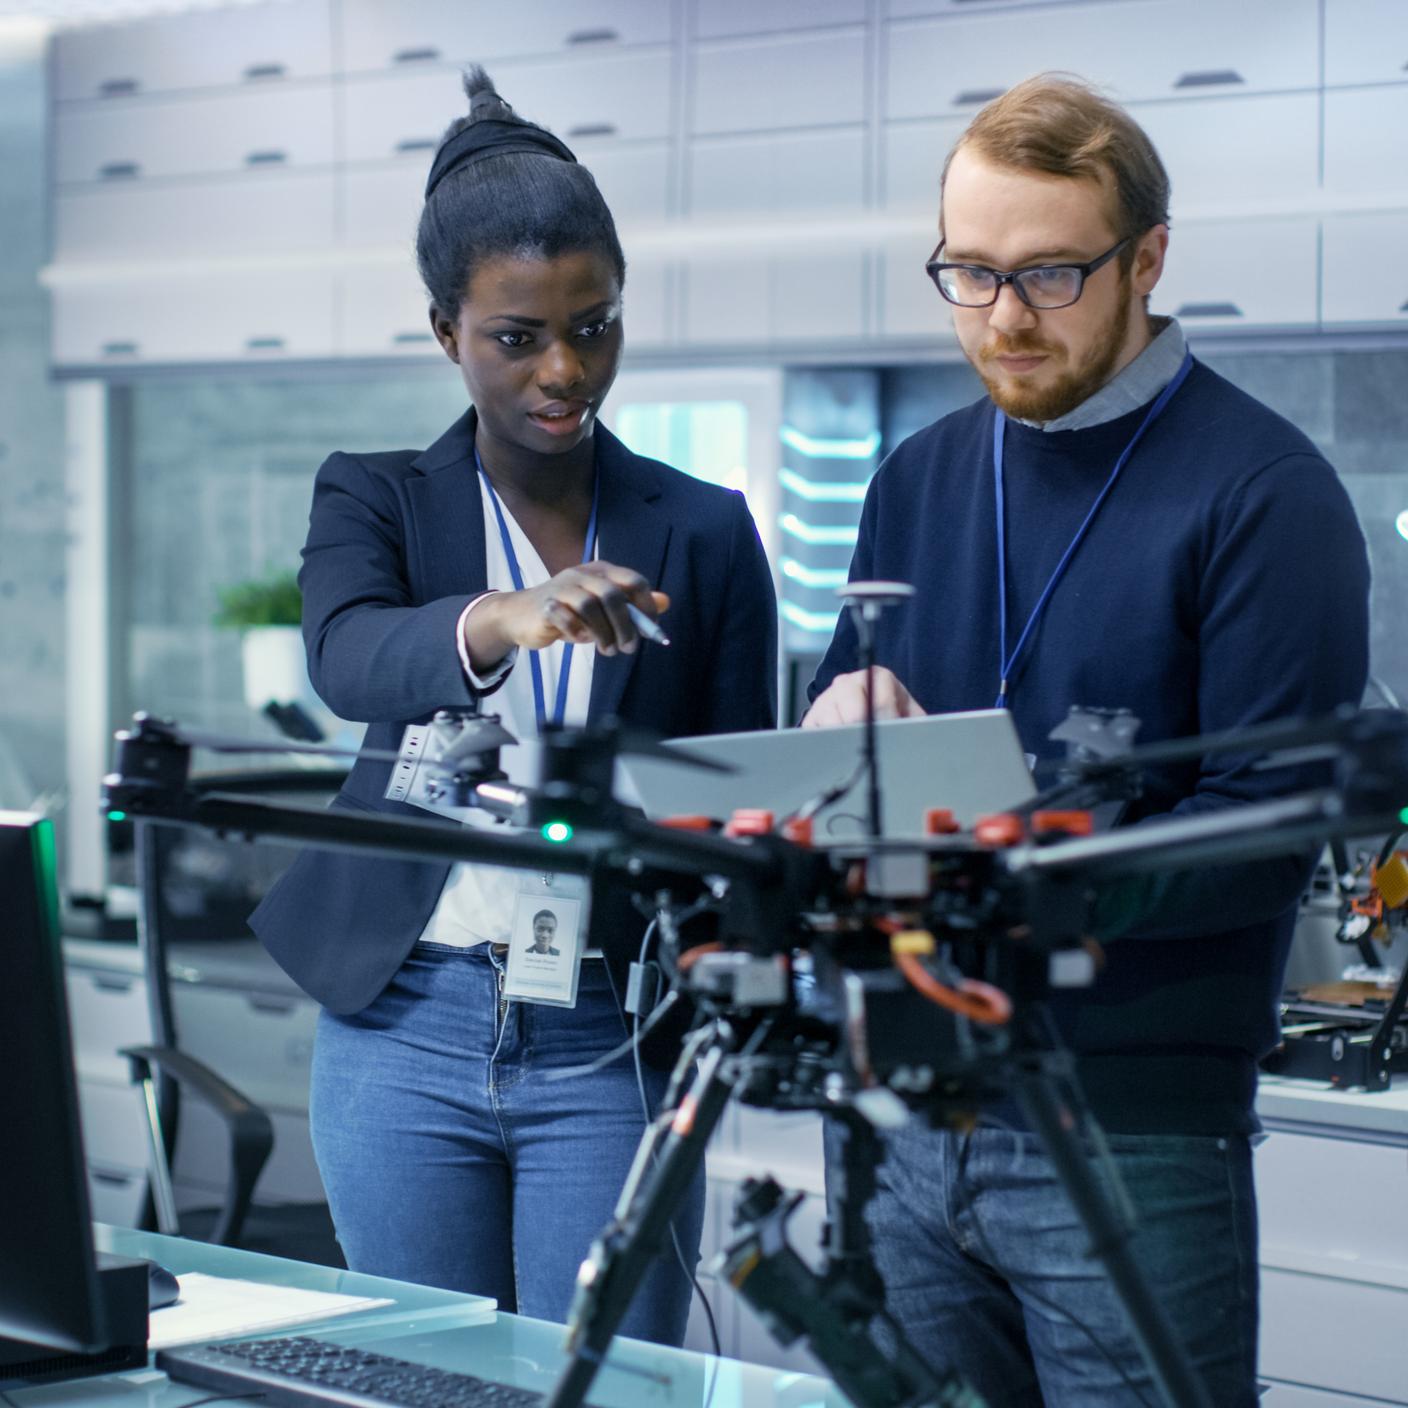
{"x":547,"y":939}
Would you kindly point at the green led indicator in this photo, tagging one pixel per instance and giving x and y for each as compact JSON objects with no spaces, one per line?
{"x":117,"y":816}
{"x":558,"y":831}
{"x":1403,"y":816}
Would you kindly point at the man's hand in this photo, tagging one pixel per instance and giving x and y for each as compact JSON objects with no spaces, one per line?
{"x":843,"y":700}
{"x":585,"y":605}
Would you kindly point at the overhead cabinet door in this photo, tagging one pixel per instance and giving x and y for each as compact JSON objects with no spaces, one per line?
{"x":259,"y":213}
{"x":1233,"y":274}
{"x":1364,"y":278}
{"x":1366,"y":144}
{"x":168,"y":53}
{"x":194,"y":136}
{"x":242,"y":316}
{"x":813,"y":80}
{"x":377,"y":34}
{"x":1138,"y":49}
{"x":1366,"y":41}
{"x":619,"y":96}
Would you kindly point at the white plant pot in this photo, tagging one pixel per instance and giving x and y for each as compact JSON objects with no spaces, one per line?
{"x":275,"y":667}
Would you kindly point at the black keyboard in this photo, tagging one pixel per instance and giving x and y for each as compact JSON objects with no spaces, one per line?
{"x":299,"y":1371}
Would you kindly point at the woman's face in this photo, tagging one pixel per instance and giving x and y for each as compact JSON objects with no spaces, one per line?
{"x":538,"y":342}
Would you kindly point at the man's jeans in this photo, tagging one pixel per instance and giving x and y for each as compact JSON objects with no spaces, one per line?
{"x":987,"y":1268}
{"x":450,"y":1161}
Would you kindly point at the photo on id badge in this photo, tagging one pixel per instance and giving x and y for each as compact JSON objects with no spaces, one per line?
{"x":544,"y":953}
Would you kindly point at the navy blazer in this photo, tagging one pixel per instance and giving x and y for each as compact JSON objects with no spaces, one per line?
{"x":395,"y":551}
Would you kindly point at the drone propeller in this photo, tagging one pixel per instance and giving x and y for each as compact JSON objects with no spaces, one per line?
{"x":635,"y":741}
{"x":1302,"y":739}
{"x":470,"y":737}
{"x":233,"y":743}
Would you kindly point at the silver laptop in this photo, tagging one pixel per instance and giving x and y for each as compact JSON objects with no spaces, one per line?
{"x":970,"y":763}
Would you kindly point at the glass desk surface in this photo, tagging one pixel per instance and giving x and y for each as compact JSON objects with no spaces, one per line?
{"x":446,"y":1329}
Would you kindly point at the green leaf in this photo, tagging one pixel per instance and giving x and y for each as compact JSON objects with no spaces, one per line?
{"x":274,"y":601}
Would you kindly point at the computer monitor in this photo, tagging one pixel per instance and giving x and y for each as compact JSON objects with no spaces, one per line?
{"x":54,"y":1294}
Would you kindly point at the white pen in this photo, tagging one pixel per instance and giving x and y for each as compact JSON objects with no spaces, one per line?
{"x":648,"y":628}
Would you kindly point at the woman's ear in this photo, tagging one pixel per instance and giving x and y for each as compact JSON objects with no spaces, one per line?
{"x":446,"y":333}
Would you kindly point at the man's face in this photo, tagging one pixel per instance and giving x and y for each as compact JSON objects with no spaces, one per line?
{"x":1039,"y":364}
{"x":544,"y":928}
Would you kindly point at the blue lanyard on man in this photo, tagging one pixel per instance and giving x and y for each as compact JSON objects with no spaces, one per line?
{"x":539,"y":704}
{"x":1008,"y":663}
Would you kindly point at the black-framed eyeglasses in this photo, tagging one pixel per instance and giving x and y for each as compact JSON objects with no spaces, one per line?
{"x":1042,"y":286}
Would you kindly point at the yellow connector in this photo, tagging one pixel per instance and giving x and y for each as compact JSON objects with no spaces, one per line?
{"x":918,"y":941}
{"x":1391,"y":880}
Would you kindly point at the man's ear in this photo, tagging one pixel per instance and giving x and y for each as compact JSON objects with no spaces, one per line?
{"x":446,"y":333}
{"x":1149,"y":255}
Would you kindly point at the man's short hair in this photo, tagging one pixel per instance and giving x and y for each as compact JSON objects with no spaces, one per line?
{"x":545,"y":914}
{"x":1060,"y":126}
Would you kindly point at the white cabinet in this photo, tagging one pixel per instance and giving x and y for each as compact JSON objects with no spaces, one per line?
{"x":787,"y":174}
{"x":220,"y":132}
{"x":1366,"y":144}
{"x":385,"y":313}
{"x":645,"y":303}
{"x":811,"y":80}
{"x":1231,"y":154}
{"x":909,"y":305}
{"x":381,"y":204}
{"x":634,"y":178}
{"x":252,"y":214}
{"x":913,"y":161}
{"x":107,"y":1010}
{"x":1140,"y":49}
{"x":1366,"y":41}
{"x":811,"y":296}
{"x":902,"y":9}
{"x":1364,"y":278}
{"x":717,"y":18}
{"x":1240,"y":274}
{"x":1333,"y":1241}
{"x":378,"y":35}
{"x":256,"y":44}
{"x":246,"y":316}
{"x":626,"y":96}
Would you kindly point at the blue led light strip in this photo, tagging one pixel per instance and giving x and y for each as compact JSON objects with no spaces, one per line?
{"x":845,"y":492}
{"x":816,"y":447}
{"x":840,"y":535}
{"x":813,"y":576}
{"x":817,"y":622}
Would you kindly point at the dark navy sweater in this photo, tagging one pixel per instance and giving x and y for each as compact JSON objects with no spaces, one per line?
{"x":1224,"y":582}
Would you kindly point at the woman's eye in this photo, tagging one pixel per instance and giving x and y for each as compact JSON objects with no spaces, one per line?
{"x":511,"y":339}
{"x":596,"y":329}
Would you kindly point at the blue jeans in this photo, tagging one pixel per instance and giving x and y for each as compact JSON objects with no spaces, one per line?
{"x":987,"y":1268}
{"x":449,"y":1161}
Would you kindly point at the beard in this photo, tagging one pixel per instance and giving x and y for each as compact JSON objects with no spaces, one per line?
{"x":1076,"y":384}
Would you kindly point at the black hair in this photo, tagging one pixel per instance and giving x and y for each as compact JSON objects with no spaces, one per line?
{"x":545,"y":914}
{"x":528,"y":204}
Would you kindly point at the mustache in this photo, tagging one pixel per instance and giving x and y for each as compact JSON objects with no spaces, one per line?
{"x":1014,"y":347}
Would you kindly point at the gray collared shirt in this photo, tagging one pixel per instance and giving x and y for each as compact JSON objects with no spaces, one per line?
{"x":1136,"y":385}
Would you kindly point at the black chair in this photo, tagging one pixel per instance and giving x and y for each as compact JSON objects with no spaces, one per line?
{"x":166,"y":1074}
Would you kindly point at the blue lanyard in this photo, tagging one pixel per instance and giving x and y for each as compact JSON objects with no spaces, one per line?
{"x":539,"y":705}
{"x":1006,"y":662}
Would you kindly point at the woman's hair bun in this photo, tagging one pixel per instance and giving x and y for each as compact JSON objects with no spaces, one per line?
{"x":484,"y":99}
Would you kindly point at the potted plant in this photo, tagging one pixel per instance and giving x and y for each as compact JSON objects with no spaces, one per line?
{"x":268,"y":611}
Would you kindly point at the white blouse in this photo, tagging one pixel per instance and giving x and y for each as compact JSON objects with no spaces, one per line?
{"x":476,"y":906}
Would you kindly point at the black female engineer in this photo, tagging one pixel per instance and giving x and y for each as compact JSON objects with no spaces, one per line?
{"x":502,"y":561}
